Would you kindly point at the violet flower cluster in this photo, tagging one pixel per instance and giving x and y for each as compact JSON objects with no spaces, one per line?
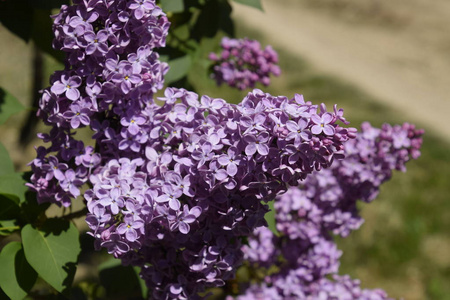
{"x":110,"y":70}
{"x":242,"y":63}
{"x":325,"y":203}
{"x":179,"y":205}
{"x":174,"y":188}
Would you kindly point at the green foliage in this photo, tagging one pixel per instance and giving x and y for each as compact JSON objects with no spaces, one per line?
{"x":179,"y":68}
{"x":17,"y":276}
{"x":121,"y":281}
{"x":215,"y":17}
{"x":252,"y":3}
{"x":30,"y":20}
{"x":52,"y":251}
{"x":7,"y":227}
{"x":6,"y":165}
{"x":17,"y":16}
{"x":9,"y":105}
{"x":270,"y":218}
{"x":10,"y":207}
{"x":174,"y":6}
{"x":31,"y":211}
{"x":42,"y":34}
{"x":13,"y":187}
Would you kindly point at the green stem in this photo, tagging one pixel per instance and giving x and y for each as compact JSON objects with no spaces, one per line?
{"x":76,"y":214}
{"x":10,"y":228}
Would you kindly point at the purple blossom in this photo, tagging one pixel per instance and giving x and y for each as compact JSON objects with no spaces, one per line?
{"x":125,"y":78}
{"x":96,"y":42}
{"x":297,"y":131}
{"x":67,"y":85}
{"x":130,"y":227}
{"x":243,"y":63}
{"x":231,"y":160}
{"x":322,"y":124}
{"x":78,"y":115}
{"x":258,"y":143}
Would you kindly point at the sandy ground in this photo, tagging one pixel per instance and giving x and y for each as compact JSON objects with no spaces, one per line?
{"x":398,"y":51}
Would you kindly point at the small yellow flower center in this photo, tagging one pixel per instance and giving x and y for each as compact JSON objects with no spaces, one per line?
{"x":126,"y":77}
{"x":68,"y":86}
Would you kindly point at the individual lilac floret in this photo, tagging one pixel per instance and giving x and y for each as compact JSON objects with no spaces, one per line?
{"x":243,"y":63}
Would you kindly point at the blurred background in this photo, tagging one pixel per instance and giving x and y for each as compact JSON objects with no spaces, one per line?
{"x":382,"y":61}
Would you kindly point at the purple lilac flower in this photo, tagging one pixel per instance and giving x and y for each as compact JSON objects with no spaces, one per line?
{"x":68,"y":86}
{"x":94,"y":34}
{"x":243,"y":63}
{"x":307,"y":259}
{"x":198,"y":184}
{"x":185,"y":232}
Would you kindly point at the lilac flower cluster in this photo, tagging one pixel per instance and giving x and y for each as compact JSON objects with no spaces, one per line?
{"x":178,"y":202}
{"x":110,"y":70}
{"x":326,"y":203}
{"x":369,"y":162}
{"x":243,"y":63}
{"x":175,"y":188}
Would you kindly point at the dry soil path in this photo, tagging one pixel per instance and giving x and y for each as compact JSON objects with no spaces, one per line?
{"x":397,"y":51}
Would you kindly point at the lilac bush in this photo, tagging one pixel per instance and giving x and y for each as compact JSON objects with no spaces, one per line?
{"x":242,"y":63}
{"x":176,"y":184}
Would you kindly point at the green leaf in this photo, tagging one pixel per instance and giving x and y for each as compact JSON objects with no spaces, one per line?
{"x":9,"y":207}
{"x":9,"y":105}
{"x":215,"y":16}
{"x":13,"y":186}
{"x":179,"y":67}
{"x":17,"y":276}
{"x":144,"y":288}
{"x":31,"y":209}
{"x":17,"y":16}
{"x":119,"y":281}
{"x":270,"y":219}
{"x":53,"y":251}
{"x":7,"y":227}
{"x":6,"y":165}
{"x":41,"y":33}
{"x":252,"y":3}
{"x":174,"y":6}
